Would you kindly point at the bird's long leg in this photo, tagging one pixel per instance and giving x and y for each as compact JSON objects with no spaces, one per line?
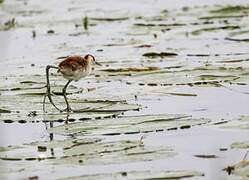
{"x":48,"y":93}
{"x":65,"y":96}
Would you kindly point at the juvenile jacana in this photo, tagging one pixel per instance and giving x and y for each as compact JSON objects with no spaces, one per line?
{"x":72,"y":68}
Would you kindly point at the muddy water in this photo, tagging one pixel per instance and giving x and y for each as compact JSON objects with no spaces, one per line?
{"x":184,"y":65}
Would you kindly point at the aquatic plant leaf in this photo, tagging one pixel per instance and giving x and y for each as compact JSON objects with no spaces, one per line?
{"x":110,"y":19}
{"x":240,"y":145}
{"x":222,"y":17}
{"x":161,"y":54}
{"x":206,"y":156}
{"x":231,"y":9}
{"x":128,"y":125}
{"x":199,"y":31}
{"x":238,"y":40}
{"x":145,"y":175}
{"x":238,"y":123}
{"x":210,"y":76}
{"x":90,"y":151}
{"x":5,"y":111}
{"x":158,"y":25}
{"x":132,"y":69}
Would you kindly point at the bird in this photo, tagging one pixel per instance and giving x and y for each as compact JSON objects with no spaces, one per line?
{"x":73,"y":68}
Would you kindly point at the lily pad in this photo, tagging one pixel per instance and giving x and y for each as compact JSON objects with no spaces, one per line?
{"x":202,"y":75}
{"x":109,"y":19}
{"x":145,"y":175}
{"x":159,"y":25}
{"x":240,"y":145}
{"x":238,"y":123}
{"x":231,"y":9}
{"x":90,"y":151}
{"x":199,"y":31}
{"x":128,"y":125}
{"x":132,"y":69}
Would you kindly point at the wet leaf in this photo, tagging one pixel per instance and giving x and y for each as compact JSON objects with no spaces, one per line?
{"x":233,"y":61}
{"x":202,"y":76}
{"x":203,"y":61}
{"x":181,"y":94}
{"x":160,"y":25}
{"x":144,"y":46}
{"x":110,"y":19}
{"x":231,"y":9}
{"x":145,"y":175}
{"x":206,"y":156}
{"x":89,"y":151}
{"x":5,"y":111}
{"x":128,"y":125}
{"x":199,"y":31}
{"x":132,"y":69}
{"x":239,"y":40}
{"x":222,"y":17}
{"x":238,"y":123}
{"x":240,"y":145}
{"x":161,"y":54}
{"x":78,"y":33}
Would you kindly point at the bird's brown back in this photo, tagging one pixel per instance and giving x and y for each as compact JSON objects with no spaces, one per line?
{"x":74,"y":63}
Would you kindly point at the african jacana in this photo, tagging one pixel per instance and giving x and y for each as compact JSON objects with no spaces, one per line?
{"x":72,"y":68}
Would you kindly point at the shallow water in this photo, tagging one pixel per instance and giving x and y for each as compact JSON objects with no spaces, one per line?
{"x":205,"y":82}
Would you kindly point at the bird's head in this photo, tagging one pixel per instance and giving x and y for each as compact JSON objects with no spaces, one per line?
{"x":90,"y":58}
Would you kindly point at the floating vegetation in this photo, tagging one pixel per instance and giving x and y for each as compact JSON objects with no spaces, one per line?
{"x":165,"y":11}
{"x":181,"y":94}
{"x":238,"y":40}
{"x":110,"y":19}
{"x":206,"y":156}
{"x":238,"y":123}
{"x":128,"y":125}
{"x":121,"y":101}
{"x":132,"y":69}
{"x":161,"y":54}
{"x":199,"y":55}
{"x":185,"y":8}
{"x":233,"y":61}
{"x":222,"y":17}
{"x":231,"y":9}
{"x":199,"y":31}
{"x":146,"y":175}
{"x":51,"y":31}
{"x":159,"y":25}
{"x":78,"y":34}
{"x":5,"y":111}
{"x":240,"y":145}
{"x":143,"y":46}
{"x":90,"y":151}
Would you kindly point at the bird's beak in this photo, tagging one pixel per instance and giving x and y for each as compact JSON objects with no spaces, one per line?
{"x":97,"y":63}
